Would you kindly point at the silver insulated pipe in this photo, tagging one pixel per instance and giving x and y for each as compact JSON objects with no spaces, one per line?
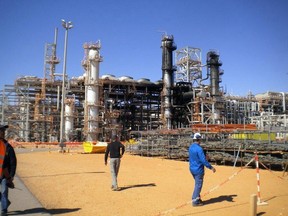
{"x":168,"y":47}
{"x":92,"y":92}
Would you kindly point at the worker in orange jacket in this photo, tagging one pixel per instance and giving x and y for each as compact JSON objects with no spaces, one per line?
{"x":8,"y":163}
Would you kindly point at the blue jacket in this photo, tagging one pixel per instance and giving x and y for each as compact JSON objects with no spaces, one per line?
{"x":197,"y":159}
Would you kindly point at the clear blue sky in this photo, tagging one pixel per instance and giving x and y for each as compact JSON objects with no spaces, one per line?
{"x":251,"y":36}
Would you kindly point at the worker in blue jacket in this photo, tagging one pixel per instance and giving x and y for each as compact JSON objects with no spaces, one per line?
{"x":197,"y":161}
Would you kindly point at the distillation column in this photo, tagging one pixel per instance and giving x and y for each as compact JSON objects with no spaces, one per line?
{"x":92,"y":104}
{"x":213,"y":65}
{"x":214,"y":72}
{"x":168,"y":47}
{"x":69,"y":118}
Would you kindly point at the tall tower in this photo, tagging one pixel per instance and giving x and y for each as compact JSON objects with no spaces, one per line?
{"x":168,"y":47}
{"x":213,"y":65}
{"x":92,"y":101}
{"x":50,"y":59}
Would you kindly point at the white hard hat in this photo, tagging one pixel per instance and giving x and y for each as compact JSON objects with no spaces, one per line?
{"x":197,"y":136}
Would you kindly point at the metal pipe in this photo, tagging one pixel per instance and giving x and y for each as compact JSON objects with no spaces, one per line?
{"x":55,"y":37}
{"x":67,"y":26}
{"x":284,"y":102}
{"x":3,"y":106}
{"x":69,"y":118}
{"x":58,"y":97}
{"x":27,"y":121}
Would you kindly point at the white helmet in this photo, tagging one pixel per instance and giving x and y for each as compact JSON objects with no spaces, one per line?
{"x":197,"y":136}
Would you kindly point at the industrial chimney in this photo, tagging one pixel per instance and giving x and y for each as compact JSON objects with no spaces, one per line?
{"x":168,"y":47}
{"x":213,"y":65}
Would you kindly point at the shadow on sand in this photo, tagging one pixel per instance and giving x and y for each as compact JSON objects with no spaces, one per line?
{"x":138,"y":185}
{"x":61,"y":174}
{"x":43,"y":211}
{"x":228,"y":198}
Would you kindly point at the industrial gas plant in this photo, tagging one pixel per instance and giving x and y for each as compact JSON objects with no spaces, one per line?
{"x":159,"y":117}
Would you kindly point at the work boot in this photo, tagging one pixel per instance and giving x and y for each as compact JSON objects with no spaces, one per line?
{"x":196,"y":204}
{"x":4,"y":213}
{"x":116,"y":188}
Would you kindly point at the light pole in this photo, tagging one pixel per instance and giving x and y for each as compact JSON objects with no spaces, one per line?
{"x":67,"y":26}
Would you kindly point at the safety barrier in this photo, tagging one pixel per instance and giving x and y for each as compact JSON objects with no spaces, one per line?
{"x":256,"y":159}
{"x":16,"y":144}
{"x":258,"y":181}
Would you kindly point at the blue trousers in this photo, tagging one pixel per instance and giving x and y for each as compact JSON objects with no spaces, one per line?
{"x":4,"y":196}
{"x":197,"y":188}
{"x":114,"y":166}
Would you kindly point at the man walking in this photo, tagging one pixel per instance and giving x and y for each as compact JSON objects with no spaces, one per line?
{"x":197,"y":161}
{"x":9,"y":164}
{"x":114,"y":149}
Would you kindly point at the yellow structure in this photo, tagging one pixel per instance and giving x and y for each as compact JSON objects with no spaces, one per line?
{"x":254,"y":136}
{"x":99,"y":147}
{"x":132,"y":141}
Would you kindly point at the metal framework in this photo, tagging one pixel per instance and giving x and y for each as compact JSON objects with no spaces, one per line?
{"x":98,"y":107}
{"x":189,"y":66}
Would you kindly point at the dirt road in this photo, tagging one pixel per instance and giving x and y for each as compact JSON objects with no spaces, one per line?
{"x":79,"y":184}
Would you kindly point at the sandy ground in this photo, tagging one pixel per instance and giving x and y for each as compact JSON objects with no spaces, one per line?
{"x":79,"y":184}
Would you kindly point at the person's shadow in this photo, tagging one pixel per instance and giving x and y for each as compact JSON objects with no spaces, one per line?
{"x":44,"y":211}
{"x":135,"y":186}
{"x":228,"y":198}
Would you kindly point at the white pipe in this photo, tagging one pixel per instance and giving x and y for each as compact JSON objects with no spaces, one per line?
{"x":69,"y":118}
{"x":284,"y":102}
{"x":167,"y":98}
{"x":58,"y":97}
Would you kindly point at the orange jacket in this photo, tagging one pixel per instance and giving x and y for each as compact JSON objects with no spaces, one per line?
{"x":2,"y":156}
